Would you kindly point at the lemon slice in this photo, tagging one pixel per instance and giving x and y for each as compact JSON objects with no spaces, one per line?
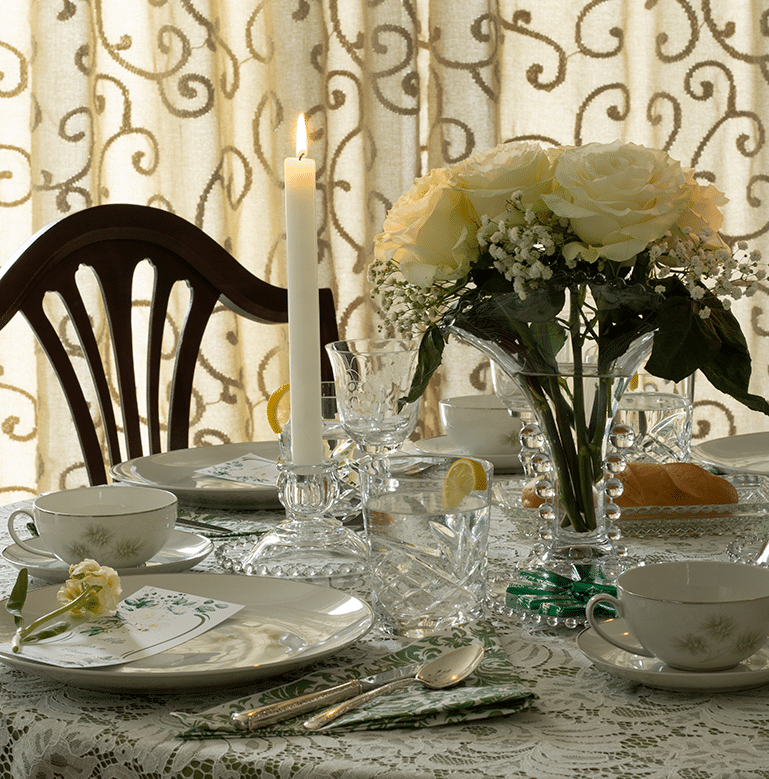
{"x":461,"y":479}
{"x":279,"y":408}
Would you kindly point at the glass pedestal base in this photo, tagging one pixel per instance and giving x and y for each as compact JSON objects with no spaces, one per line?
{"x":560,"y":552}
{"x":318,"y":548}
{"x":308,"y":544}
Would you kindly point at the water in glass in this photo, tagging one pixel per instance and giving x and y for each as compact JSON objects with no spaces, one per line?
{"x":428,"y":564}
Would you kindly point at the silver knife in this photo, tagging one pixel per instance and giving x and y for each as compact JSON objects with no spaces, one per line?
{"x":276,"y":712}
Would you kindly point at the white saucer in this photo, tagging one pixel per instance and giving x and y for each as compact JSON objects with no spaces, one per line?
{"x":503,"y":463}
{"x":753,"y":672}
{"x":182,"y":551}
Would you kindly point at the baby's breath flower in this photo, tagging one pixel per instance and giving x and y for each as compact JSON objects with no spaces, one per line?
{"x":726,"y":275}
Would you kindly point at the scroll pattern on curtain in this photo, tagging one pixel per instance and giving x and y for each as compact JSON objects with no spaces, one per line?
{"x":190,"y":107}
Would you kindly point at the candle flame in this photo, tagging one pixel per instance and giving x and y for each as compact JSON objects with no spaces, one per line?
{"x":301,"y":137}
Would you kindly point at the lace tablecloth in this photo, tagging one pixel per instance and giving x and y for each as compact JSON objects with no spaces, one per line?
{"x":585,"y":723}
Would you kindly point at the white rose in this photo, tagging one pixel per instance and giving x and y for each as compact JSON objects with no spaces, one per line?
{"x":492,"y":176}
{"x":618,"y":197}
{"x":105,"y":594}
{"x":702,"y":214}
{"x":430,"y":233}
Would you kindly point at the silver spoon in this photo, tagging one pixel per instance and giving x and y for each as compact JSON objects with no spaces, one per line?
{"x":445,"y":671}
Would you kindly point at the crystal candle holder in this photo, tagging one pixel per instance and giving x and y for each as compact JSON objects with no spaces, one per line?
{"x":308,"y":544}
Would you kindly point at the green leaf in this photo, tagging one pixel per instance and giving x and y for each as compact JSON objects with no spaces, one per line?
{"x":684,"y":341}
{"x":50,"y":632}
{"x":617,"y":299}
{"x":428,"y":361}
{"x":490,"y":281}
{"x":716,"y":346}
{"x":616,"y":343}
{"x":15,"y":602}
{"x":541,"y":305}
{"x":721,"y":380}
{"x":730,"y":372}
{"x":550,"y":336}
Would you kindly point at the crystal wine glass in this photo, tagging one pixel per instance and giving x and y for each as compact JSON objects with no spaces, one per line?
{"x":373,"y":376}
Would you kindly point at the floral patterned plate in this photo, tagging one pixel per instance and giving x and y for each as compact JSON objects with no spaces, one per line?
{"x":182,"y":551}
{"x":284,"y":625}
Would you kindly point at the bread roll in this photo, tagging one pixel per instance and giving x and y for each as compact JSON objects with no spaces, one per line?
{"x":529,"y":497}
{"x":673,"y":484}
{"x":670,"y":484}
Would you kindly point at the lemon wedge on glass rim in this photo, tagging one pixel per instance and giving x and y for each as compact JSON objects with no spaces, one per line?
{"x":279,"y":408}
{"x":464,"y":476}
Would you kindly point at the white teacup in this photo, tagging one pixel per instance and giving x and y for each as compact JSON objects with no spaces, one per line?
{"x":481,"y":425}
{"x":696,"y":615}
{"x":119,"y":526}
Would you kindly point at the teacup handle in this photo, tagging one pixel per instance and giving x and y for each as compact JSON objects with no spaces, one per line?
{"x":596,"y":624}
{"x":21,"y":542}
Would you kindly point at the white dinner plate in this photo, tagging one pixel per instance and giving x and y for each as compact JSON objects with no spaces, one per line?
{"x":182,"y":551}
{"x":177,"y":472}
{"x":285,"y":625}
{"x":744,"y":453}
{"x":753,"y":672}
{"x":503,"y":463}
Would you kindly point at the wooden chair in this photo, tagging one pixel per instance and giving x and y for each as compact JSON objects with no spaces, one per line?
{"x":112,"y":240}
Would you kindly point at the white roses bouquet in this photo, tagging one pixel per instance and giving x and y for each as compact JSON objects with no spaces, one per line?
{"x":585,"y":248}
{"x":519,"y":222}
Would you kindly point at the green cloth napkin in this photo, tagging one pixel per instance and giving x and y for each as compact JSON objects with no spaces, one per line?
{"x":492,"y":690}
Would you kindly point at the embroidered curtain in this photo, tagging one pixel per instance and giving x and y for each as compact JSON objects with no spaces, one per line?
{"x":191,"y":107}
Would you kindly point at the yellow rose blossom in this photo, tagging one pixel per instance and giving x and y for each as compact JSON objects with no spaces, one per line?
{"x":101,"y":583}
{"x":702,"y":214}
{"x":491,"y":177}
{"x":430,"y":233}
{"x":91,"y":591}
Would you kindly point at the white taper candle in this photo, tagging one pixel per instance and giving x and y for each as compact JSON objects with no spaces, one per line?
{"x":303,"y":309}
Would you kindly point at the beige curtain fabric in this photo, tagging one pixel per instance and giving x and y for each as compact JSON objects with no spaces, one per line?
{"x":191,"y":107}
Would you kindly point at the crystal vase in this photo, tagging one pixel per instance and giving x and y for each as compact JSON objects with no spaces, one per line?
{"x":566,"y":450}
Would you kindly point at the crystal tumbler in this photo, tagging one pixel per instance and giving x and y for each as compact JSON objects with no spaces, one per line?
{"x":427,"y":561}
